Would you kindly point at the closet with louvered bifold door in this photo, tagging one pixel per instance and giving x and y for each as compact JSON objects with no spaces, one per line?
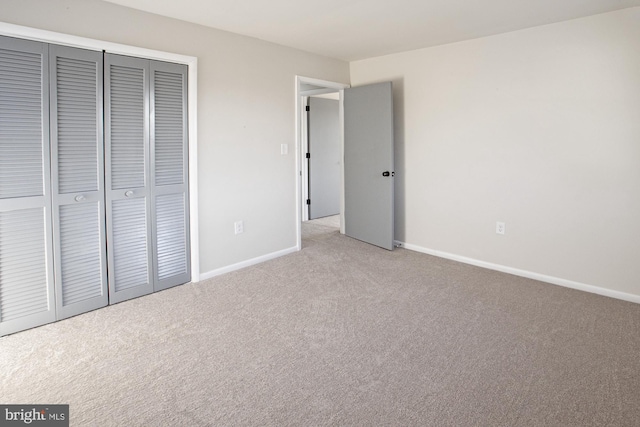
{"x":93,"y":180}
{"x":146,"y":175}
{"x":52,"y":218}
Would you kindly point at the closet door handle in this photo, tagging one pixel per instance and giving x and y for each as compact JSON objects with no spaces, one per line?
{"x":128,"y":193}
{"x":79,"y":198}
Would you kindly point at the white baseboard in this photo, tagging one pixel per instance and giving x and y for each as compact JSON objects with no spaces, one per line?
{"x":524,"y":273}
{"x":247,"y":263}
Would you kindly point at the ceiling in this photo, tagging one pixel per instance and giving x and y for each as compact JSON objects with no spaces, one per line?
{"x":358,"y":29}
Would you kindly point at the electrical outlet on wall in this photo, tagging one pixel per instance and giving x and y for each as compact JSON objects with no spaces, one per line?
{"x":500,"y":227}
{"x":238,"y":227}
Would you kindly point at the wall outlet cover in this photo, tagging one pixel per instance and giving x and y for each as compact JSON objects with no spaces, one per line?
{"x":238,"y":227}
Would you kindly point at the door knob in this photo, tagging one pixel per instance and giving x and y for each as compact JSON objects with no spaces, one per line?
{"x":385,"y":173}
{"x":79,"y":198}
{"x":128,"y":193}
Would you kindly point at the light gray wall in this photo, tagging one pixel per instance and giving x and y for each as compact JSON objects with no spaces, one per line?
{"x":538,"y":128}
{"x":246,"y":95}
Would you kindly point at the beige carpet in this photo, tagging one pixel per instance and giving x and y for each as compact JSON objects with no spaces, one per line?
{"x":340,"y":333}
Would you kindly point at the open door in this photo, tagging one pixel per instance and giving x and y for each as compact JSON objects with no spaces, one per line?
{"x":369,"y":164}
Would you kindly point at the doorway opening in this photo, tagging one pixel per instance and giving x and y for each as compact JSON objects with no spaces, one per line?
{"x":323,"y":162}
{"x":307,"y":88}
{"x":367,"y":159}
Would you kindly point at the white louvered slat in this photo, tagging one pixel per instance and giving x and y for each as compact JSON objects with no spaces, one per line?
{"x":127,"y":127}
{"x":171,"y":232}
{"x":21,"y":150}
{"x":77,"y":138}
{"x":129,"y":244}
{"x":169,"y":128}
{"x":80,"y":252}
{"x":23,"y":275}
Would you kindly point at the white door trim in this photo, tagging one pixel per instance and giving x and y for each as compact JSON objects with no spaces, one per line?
{"x":36,"y":34}
{"x":324,"y":87}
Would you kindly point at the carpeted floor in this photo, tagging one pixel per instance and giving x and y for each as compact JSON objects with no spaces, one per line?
{"x":340,"y":333}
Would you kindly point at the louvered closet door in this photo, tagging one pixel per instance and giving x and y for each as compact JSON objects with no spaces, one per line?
{"x":127,"y":177}
{"x":169,"y":169}
{"x":77,"y":166}
{"x":26,"y":262}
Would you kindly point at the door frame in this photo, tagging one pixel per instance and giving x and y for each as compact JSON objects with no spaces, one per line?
{"x":19,"y":31}
{"x":323,"y":86}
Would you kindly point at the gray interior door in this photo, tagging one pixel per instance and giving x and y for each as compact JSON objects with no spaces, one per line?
{"x":26,"y":247}
{"x":77,"y":178}
{"x":368,"y":164}
{"x":128,"y":177}
{"x":323,"y":120}
{"x":170,"y":174}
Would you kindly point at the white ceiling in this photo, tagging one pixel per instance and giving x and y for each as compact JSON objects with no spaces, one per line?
{"x":358,"y":29}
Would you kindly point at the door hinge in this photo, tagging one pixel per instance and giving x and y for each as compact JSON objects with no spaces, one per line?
{"x":308,"y":155}
{"x":306,"y":108}
{"x":308,"y":201}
